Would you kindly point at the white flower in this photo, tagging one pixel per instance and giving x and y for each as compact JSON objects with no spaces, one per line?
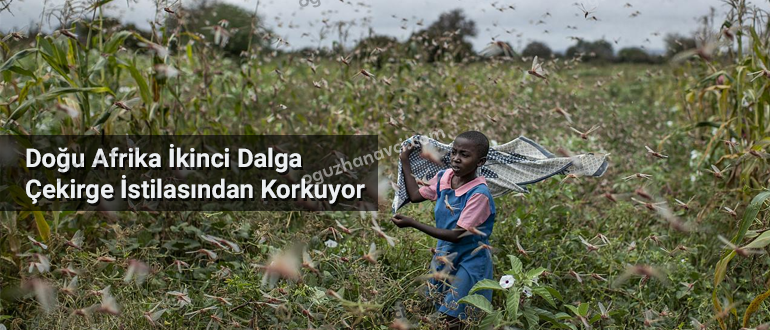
{"x":518,"y":222}
{"x":507,"y":281}
{"x":527,"y":291}
{"x":331,"y":244}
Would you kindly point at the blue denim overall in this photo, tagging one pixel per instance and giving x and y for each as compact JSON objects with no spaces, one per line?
{"x":469,"y":269}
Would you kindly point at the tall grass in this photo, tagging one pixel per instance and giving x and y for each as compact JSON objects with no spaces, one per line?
{"x":176,"y":82}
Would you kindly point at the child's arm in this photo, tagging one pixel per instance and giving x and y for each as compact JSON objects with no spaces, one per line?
{"x":449,"y":235}
{"x":411,"y":184}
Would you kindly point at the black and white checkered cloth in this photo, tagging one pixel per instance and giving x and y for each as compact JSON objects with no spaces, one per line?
{"x":509,"y":167}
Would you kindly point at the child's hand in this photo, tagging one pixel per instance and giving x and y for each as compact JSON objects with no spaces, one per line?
{"x":405,"y":151}
{"x":402,"y":221}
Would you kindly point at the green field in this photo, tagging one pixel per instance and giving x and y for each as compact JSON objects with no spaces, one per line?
{"x":62,"y":86}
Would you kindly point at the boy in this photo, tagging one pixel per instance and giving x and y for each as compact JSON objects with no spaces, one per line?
{"x":464,"y":214}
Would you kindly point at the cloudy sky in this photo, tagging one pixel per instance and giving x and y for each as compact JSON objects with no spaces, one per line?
{"x":550,"y":21}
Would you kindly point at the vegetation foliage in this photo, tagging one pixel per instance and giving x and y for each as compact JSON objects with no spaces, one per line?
{"x":636,"y":248}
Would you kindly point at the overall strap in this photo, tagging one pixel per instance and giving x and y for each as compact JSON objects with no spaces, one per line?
{"x":438,"y":180}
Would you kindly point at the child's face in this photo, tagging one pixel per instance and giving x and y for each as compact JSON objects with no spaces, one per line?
{"x":465,"y":157}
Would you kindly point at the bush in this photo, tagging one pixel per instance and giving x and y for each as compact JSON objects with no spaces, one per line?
{"x":445,"y":38}
{"x":538,"y":49}
{"x":634,"y":55}
{"x":676,"y":43}
{"x":599,"y":50}
{"x":228,"y":25}
{"x":376,"y":49}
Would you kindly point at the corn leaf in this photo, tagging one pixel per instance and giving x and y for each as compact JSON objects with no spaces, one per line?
{"x":42,"y":226}
{"x":116,"y":41}
{"x":9,"y":63}
{"x":751,"y":213}
{"x":144,"y":89}
{"x":753,"y":307}
{"x":54,"y":93}
{"x":721,"y":268}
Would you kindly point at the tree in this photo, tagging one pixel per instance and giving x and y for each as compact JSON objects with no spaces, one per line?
{"x":599,"y":50}
{"x":445,"y":38}
{"x":377,"y":49}
{"x":676,"y":43}
{"x":634,"y":55}
{"x":227,"y":25}
{"x":537,"y":48}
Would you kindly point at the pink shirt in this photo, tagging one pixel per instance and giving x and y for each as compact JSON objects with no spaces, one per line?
{"x":476,"y":210}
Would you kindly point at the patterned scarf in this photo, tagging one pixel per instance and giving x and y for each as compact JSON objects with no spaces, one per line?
{"x":509,"y":167}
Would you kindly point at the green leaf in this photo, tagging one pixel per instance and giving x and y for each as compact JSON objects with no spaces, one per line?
{"x":21,"y":54}
{"x":562,"y":316}
{"x":512,"y":304}
{"x":532,"y":273}
{"x":550,"y":317}
{"x":52,"y":56}
{"x":573,"y":309}
{"x":103,"y":117}
{"x":478,"y":301}
{"x":98,"y":4}
{"x":100,"y":63}
{"x":491,"y":321}
{"x":583,"y":309}
{"x":757,"y":44}
{"x":515,"y":264}
{"x":532,"y":319}
{"x":22,"y":71}
{"x":486,"y":284}
{"x":20,"y":197}
{"x":554,"y":293}
{"x":760,"y":242}
{"x":42,"y":226}
{"x":543,"y":293}
{"x":25,"y":91}
{"x":52,"y":94}
{"x":69,"y":90}
{"x":189,"y":51}
{"x":751,"y":213}
{"x":144,"y":89}
{"x":720,"y":270}
{"x":116,"y":41}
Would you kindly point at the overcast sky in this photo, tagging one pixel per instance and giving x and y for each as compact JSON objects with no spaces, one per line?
{"x":518,"y":26}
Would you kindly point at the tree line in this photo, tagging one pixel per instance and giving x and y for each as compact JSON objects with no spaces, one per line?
{"x":239,"y":33}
